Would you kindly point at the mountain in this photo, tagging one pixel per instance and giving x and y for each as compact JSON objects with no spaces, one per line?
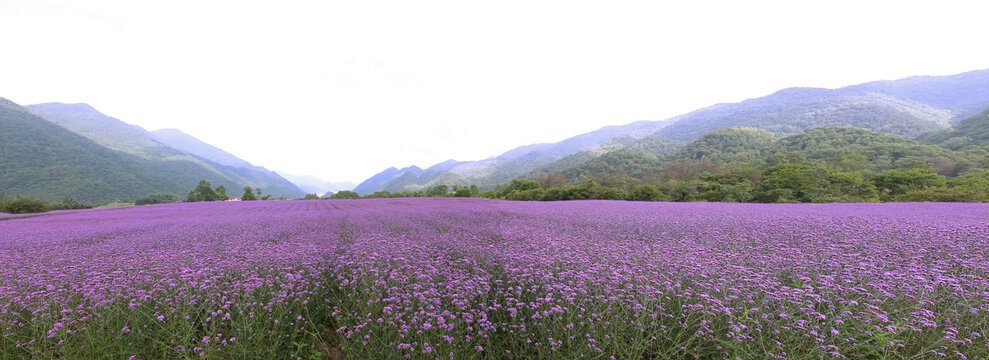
{"x":380,"y":180}
{"x":907,"y":107}
{"x":791,"y":111}
{"x":962,"y":94}
{"x":506,"y":166}
{"x":880,"y":151}
{"x":729,"y":144}
{"x":315,"y":185}
{"x":179,"y":140}
{"x":612,"y":156}
{"x":183,"y":167}
{"x":43,"y":160}
{"x":973,"y":131}
{"x":873,"y":151}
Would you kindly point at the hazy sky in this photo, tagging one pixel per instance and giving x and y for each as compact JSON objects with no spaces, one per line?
{"x":342,"y":90}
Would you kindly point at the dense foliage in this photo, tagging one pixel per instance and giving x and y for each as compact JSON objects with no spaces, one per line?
{"x":481,"y":279}
{"x":173,"y":154}
{"x":45,"y":161}
{"x":790,"y":111}
{"x":973,"y":131}
{"x":751,"y":165}
{"x":157,"y":199}
{"x":30,"y":205}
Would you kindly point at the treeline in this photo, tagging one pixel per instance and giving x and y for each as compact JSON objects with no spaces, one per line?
{"x":749,"y":165}
{"x":783,"y":178}
{"x":434,"y":191}
{"x":31,"y":205}
{"x":203,"y":192}
{"x":778,"y":178}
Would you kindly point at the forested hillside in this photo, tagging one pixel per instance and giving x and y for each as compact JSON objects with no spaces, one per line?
{"x":909,"y":108}
{"x":973,"y":131}
{"x":188,"y":163}
{"x":739,"y":164}
{"x":43,"y":160}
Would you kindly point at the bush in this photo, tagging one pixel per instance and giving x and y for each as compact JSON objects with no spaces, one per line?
{"x":157,"y":199}
{"x":526,"y":195}
{"x":463,"y":192}
{"x":648,"y":193}
{"x":345,"y":194}
{"x":610,"y":193}
{"x":70,"y":204}
{"x":23,"y":206}
{"x":941,"y":194}
{"x":490,"y":194}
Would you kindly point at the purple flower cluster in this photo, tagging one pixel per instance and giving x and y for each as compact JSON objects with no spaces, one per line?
{"x":462,"y":278}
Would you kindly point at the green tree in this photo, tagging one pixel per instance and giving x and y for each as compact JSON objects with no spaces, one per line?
{"x":972,"y":181}
{"x":833,"y":185}
{"x":648,"y":193}
{"x":463,"y":192}
{"x":157,"y":199}
{"x":526,"y":195}
{"x":23,"y":206}
{"x":312,"y":196}
{"x":202,"y":192}
{"x":849,"y":162}
{"x":438,"y":190}
{"x":521,"y":185}
{"x":795,"y":178}
{"x":69,"y":204}
{"x":221,"y":193}
{"x":345,"y":194}
{"x":942,"y":194}
{"x":248,"y":194}
{"x":898,"y":182}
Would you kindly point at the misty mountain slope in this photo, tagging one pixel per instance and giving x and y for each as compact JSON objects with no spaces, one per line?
{"x":312,"y":184}
{"x":182,"y":167}
{"x":972,"y":131}
{"x":634,"y":159}
{"x":381,"y":180}
{"x":177,"y":139}
{"x":906,"y":107}
{"x":729,"y":144}
{"x":104,"y":130}
{"x":963,"y":94}
{"x":655,"y":146}
{"x":587,"y":141}
{"x":43,"y":160}
{"x":882,"y":151}
{"x":793,"y":110}
{"x":879,"y":151}
{"x":436,"y":174}
{"x":524,"y":159}
{"x":230,"y":165}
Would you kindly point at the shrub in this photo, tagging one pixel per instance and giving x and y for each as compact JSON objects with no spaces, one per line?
{"x":70,"y":204}
{"x":648,"y":193}
{"x":157,"y":199}
{"x":941,"y":194}
{"x":23,"y":206}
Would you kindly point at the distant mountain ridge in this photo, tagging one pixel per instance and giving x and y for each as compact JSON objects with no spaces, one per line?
{"x":177,"y":139}
{"x":315,"y":185}
{"x":908,"y":107}
{"x":41,"y":159}
{"x":183,"y":167}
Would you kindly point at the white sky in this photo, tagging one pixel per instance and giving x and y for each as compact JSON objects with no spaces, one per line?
{"x":342,"y":90}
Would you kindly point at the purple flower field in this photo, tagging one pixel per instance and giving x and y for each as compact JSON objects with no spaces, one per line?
{"x":471,"y":278}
